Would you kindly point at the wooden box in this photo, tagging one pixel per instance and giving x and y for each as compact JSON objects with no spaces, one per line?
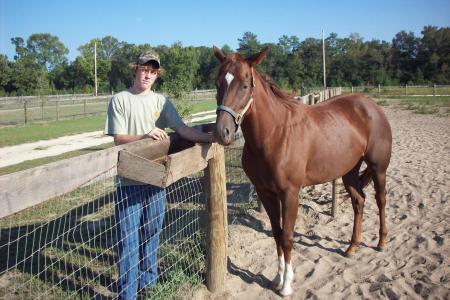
{"x":163,"y":163}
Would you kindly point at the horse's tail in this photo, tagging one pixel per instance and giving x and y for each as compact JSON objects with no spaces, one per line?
{"x":365,"y":177}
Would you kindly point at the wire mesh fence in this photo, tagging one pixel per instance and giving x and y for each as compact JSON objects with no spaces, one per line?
{"x":69,"y":247}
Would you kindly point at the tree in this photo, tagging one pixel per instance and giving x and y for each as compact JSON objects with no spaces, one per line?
{"x":404,"y":52}
{"x":109,"y":46}
{"x":181,"y":66}
{"x":28,"y":77}
{"x":434,"y":54}
{"x":19,"y":43}
{"x":6,"y":68}
{"x":248,"y":44}
{"x":106,"y":48}
{"x":310,"y":53}
{"x":207,"y":69}
{"x":47,"y":49}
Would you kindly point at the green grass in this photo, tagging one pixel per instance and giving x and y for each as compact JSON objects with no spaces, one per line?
{"x":48,"y":130}
{"x":419,"y":105}
{"x":204,"y":106}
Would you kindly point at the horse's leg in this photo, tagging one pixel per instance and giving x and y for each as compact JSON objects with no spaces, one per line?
{"x":272,"y":206}
{"x":379,"y":180}
{"x":354,"y":188}
{"x":289,"y":204}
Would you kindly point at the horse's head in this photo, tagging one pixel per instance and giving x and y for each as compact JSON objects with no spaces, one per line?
{"x":235,"y":84}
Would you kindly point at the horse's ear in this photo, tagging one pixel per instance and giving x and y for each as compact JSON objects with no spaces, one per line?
{"x":257,"y":58}
{"x":219,"y":54}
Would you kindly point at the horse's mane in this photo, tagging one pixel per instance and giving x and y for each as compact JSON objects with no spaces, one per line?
{"x":273,"y":87}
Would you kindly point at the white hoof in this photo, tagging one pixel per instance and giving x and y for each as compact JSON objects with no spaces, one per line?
{"x":286,"y":291}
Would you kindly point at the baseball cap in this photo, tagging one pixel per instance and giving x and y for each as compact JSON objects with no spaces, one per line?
{"x":148,"y":56}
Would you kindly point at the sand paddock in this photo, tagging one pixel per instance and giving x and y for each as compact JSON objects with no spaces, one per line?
{"x":416,"y":261}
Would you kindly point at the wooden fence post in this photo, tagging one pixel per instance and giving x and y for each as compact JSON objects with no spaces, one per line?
{"x":217,"y":229}
{"x":57,"y":109}
{"x":42,"y":108}
{"x":434,"y":89}
{"x":379,"y":91}
{"x":25,"y":111}
{"x":333,"y":199}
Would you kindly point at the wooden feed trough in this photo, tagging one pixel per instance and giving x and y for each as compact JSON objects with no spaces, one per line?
{"x":161,"y":167}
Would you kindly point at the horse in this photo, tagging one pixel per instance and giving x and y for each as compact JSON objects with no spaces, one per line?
{"x":290,"y":145}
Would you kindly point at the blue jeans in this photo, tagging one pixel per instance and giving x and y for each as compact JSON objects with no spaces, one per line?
{"x":139,"y":213}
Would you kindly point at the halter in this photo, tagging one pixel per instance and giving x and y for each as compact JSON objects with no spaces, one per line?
{"x":237,"y":117}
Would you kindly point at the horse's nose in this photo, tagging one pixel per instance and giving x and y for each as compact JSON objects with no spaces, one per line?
{"x":226,"y":135}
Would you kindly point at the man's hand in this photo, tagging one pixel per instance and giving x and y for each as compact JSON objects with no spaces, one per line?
{"x":157,"y":134}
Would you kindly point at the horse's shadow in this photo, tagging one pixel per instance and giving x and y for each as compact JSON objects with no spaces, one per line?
{"x":315,"y":240}
{"x":247,"y":276}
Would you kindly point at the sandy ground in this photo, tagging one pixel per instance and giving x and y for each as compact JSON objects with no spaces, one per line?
{"x":416,"y":262}
{"x":16,"y":154}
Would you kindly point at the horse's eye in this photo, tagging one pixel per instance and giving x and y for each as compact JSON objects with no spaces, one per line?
{"x":245,"y":87}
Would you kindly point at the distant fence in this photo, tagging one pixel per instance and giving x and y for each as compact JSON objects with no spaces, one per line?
{"x":317,"y":97}
{"x":23,"y":109}
{"x":399,"y":91}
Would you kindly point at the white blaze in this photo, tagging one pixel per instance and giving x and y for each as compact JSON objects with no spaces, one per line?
{"x":229,"y":78}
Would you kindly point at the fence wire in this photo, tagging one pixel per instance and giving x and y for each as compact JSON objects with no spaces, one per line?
{"x":67,"y":247}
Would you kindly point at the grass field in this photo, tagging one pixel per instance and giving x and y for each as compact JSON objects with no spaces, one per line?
{"x":420,"y":105}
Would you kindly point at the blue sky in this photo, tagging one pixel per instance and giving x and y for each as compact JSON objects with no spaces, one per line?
{"x":208,"y":23}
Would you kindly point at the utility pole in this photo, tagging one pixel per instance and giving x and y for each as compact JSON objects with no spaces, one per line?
{"x":95,"y":67}
{"x":324,"y":70}
{"x":333,"y":184}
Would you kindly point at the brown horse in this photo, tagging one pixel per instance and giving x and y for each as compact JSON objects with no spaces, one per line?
{"x":289,"y":145}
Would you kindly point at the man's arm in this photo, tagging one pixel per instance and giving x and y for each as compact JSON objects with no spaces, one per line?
{"x":195,"y":135}
{"x":156,"y":134}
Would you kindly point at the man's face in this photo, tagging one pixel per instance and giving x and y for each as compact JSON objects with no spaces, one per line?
{"x":145,"y":76}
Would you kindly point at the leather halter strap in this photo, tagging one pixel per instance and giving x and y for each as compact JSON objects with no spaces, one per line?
{"x":237,"y":117}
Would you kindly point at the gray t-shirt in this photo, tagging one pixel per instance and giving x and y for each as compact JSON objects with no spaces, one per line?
{"x":139,"y":114}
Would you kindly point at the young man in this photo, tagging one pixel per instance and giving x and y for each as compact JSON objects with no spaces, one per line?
{"x":135,"y":114}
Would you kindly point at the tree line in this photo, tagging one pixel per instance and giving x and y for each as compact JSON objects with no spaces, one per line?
{"x":40,"y":65}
